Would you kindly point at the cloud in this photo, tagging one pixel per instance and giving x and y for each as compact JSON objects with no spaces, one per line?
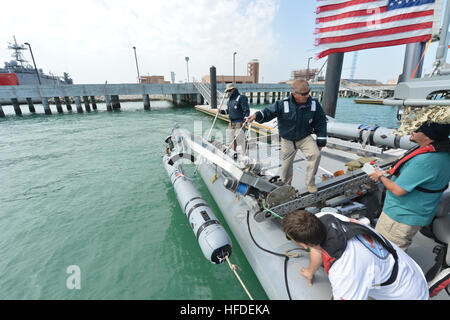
{"x":93,"y":40}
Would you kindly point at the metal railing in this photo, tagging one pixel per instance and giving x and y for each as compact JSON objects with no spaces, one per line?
{"x":205,"y":91}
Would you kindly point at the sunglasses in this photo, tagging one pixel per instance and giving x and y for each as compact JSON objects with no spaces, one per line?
{"x":304,"y":93}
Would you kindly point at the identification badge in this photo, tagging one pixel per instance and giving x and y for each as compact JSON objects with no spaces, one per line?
{"x":286,"y":107}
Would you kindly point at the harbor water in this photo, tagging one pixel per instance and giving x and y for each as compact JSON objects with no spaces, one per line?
{"x":85,"y":200}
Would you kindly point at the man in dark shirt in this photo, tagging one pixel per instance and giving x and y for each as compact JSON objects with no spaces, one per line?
{"x":298,"y":117}
{"x":237,"y":110}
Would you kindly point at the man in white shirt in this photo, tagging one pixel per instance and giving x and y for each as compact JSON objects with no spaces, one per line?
{"x":358,"y":261}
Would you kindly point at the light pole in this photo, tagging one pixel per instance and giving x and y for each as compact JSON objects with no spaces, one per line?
{"x":187,"y":67}
{"x":308,"y":68}
{"x":234,"y":67}
{"x":35,"y":68}
{"x":137,"y":67}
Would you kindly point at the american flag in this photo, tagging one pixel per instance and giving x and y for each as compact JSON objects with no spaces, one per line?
{"x":350,"y":25}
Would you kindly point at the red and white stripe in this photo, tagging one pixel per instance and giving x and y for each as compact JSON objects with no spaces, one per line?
{"x":349,"y":25}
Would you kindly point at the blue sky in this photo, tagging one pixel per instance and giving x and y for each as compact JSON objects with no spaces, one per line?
{"x":93,"y":39}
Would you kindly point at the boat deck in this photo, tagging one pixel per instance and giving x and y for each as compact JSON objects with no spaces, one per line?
{"x":268,"y":234}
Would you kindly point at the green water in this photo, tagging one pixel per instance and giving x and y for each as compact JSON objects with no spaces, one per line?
{"x":89,"y":190}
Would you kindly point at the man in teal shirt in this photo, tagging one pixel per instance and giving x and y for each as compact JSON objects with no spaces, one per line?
{"x":413,"y":195}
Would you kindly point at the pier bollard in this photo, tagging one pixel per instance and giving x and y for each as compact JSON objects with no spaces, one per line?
{"x":46,"y":105}
{"x":86,"y":103}
{"x":115,"y":102}
{"x":78,"y":104}
{"x":2,"y":114}
{"x":31,"y":105}
{"x":146,"y":99}
{"x":108,"y":103}
{"x":58,"y":105}
{"x":94,"y":103}
{"x":68,"y":104}
{"x":16,"y":105}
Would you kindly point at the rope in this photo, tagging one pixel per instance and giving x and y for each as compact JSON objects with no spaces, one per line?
{"x":215,"y":118}
{"x":237,"y":135}
{"x":423,"y":54}
{"x":270,"y":211}
{"x":233,"y":268}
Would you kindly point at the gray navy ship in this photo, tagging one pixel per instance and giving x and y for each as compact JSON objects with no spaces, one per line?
{"x":19,"y":72}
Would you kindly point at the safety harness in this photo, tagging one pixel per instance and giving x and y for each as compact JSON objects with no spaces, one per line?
{"x":441,"y":146}
{"x":339,"y":232}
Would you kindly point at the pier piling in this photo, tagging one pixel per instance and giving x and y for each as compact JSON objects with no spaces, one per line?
{"x":115,"y":101}
{"x":78,"y":104}
{"x":2,"y":114}
{"x":68,"y":104}
{"x":213,"y":81}
{"x":333,"y":76}
{"x":31,"y":105}
{"x":46,"y":105}
{"x":86,"y":103}
{"x":146,"y":99}
{"x":94,"y":103}
{"x":16,"y":105}
{"x":108,"y":103}
{"x":58,"y":105}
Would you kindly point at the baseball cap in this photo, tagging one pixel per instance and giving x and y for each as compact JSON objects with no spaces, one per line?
{"x":435,"y":131}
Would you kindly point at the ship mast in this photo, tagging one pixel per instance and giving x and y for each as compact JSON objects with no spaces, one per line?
{"x":17,"y":55}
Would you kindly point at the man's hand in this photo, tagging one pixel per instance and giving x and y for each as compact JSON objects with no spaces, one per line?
{"x":251,"y":118}
{"x":308,"y":275}
{"x":376,"y":175}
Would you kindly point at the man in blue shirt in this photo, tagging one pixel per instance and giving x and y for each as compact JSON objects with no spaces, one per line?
{"x":414,"y":191}
{"x":298,"y":116}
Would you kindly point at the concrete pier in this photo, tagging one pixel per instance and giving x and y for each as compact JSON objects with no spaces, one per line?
{"x":87,"y":94}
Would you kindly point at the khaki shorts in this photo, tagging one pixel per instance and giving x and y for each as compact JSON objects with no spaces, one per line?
{"x":399,"y":233}
{"x":234,"y":131}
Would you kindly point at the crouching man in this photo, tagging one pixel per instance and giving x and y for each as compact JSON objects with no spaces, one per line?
{"x":358,"y":261}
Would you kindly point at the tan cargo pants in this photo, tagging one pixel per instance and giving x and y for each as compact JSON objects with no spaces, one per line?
{"x":399,"y":233}
{"x":234,"y":132}
{"x":311,"y":152}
